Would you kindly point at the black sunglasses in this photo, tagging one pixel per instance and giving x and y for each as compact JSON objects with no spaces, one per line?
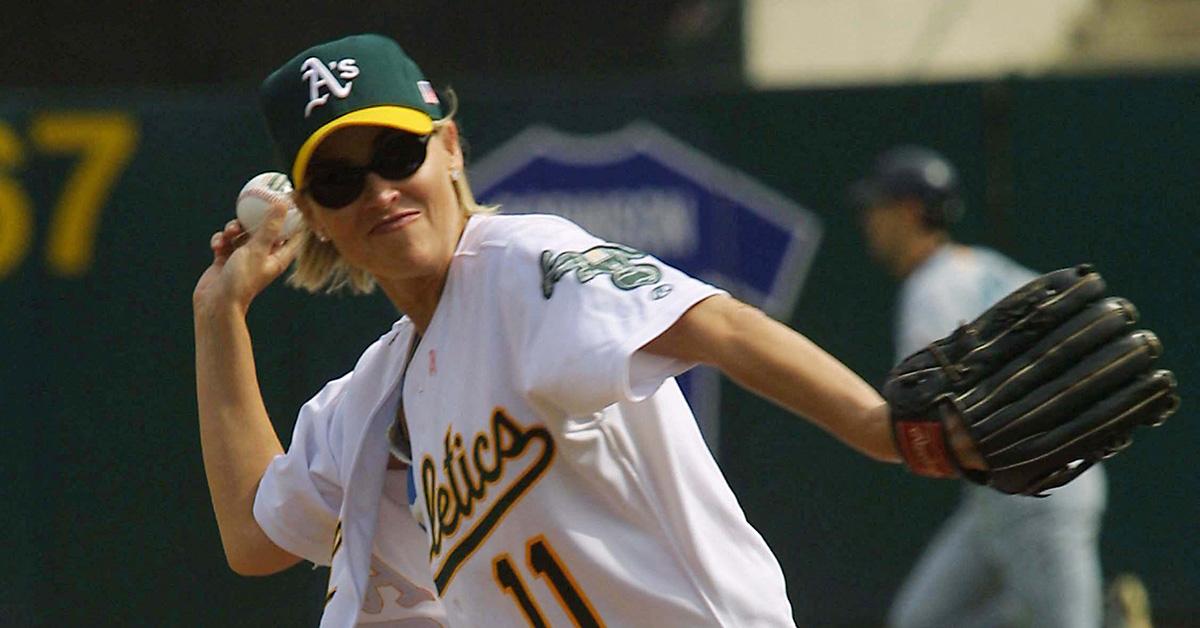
{"x":397,"y":156}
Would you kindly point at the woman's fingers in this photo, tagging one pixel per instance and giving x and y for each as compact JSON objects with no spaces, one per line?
{"x":288,"y":249}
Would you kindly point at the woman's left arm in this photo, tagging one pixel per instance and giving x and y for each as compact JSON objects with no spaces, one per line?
{"x":769,"y":358}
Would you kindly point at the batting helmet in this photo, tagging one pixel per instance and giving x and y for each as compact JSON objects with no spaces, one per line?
{"x":913,"y":172}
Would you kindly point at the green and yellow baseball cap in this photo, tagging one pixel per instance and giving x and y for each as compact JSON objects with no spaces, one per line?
{"x":358,"y":80}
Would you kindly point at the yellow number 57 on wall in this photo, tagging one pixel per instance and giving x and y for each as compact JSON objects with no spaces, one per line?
{"x":104,"y":141}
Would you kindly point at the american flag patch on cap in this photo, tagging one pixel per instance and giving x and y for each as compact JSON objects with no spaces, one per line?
{"x":427,"y":93}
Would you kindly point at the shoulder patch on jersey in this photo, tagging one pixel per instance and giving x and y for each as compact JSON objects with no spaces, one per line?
{"x":615,"y":260}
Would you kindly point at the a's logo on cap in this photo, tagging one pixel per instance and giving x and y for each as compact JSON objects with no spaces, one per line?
{"x":320,"y":76}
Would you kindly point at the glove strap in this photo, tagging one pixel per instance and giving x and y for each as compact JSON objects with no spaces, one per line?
{"x":923,"y":446}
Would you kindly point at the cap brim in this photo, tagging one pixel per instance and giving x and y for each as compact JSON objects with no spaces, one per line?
{"x":393,"y":116}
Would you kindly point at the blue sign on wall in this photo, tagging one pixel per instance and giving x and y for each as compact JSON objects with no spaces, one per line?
{"x":641,"y":187}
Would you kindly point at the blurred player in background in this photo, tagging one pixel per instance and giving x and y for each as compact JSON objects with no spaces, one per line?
{"x":998,"y":561}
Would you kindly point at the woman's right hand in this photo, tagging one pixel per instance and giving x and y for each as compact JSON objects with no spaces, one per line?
{"x":244,"y":263}
{"x":237,"y":439}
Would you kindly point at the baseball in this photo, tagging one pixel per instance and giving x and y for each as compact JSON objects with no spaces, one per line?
{"x":259,"y":195}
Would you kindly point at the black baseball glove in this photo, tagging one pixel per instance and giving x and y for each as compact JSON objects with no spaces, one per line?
{"x":1046,"y":383}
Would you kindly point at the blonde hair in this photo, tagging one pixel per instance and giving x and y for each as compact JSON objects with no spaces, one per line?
{"x":319,"y":268}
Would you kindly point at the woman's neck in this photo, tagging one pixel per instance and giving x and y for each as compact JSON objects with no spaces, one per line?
{"x":418,"y":297}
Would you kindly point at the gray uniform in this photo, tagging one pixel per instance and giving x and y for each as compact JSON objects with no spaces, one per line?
{"x":999,"y":560}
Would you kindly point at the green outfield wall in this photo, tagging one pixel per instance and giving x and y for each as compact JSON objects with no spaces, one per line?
{"x":107,"y":201}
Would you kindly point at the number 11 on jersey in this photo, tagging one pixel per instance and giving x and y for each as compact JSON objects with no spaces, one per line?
{"x":545,"y":563}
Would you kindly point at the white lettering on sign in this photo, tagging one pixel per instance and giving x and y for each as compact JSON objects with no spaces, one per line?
{"x":659,"y":221}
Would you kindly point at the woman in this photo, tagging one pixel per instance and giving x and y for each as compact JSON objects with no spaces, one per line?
{"x":556,"y":472}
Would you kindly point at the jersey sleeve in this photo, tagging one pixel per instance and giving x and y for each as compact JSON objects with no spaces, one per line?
{"x":300,"y":495}
{"x":962,"y":284}
{"x":577,"y":309}
{"x":927,"y":313}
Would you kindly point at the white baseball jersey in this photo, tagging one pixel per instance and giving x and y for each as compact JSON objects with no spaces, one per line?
{"x":298,"y":504}
{"x":559,"y":474}
{"x":953,"y":286}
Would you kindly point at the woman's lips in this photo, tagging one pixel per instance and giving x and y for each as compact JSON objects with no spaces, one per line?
{"x":393,"y":222}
